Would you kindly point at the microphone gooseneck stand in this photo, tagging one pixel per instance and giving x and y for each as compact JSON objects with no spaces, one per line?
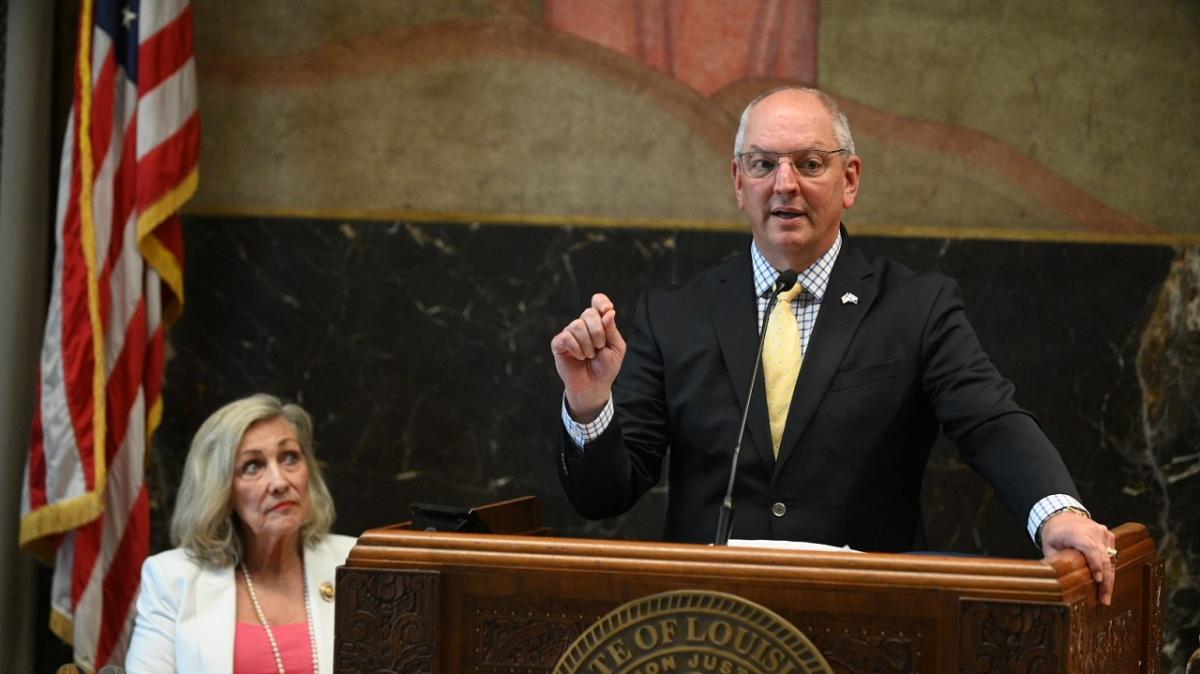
{"x":783,"y":283}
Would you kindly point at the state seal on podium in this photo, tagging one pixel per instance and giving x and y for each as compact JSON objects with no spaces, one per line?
{"x":692,"y":632}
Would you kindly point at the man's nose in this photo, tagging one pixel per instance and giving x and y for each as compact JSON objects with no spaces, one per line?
{"x":786,"y":179}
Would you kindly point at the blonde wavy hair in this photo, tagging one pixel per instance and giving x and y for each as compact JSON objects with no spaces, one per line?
{"x":204,"y":522}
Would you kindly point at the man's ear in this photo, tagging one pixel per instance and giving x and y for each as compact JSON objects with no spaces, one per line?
{"x":851,"y":177}
{"x":737,"y":183}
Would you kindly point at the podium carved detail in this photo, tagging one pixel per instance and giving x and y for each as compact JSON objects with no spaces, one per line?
{"x":874,"y":644}
{"x":386,"y":621}
{"x":1110,"y":644}
{"x":1007,"y":637}
{"x":529,"y":635}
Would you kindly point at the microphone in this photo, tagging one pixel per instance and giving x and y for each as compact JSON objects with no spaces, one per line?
{"x":783,"y":283}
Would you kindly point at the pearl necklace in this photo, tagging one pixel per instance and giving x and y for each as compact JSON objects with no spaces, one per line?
{"x":262,"y":618}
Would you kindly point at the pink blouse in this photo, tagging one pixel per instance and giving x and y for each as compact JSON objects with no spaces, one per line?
{"x":252,"y":652}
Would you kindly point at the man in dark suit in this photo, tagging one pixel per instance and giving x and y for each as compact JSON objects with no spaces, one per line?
{"x":884,"y":357}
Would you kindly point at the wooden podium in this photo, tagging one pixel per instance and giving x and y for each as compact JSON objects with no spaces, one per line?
{"x":453,"y":603}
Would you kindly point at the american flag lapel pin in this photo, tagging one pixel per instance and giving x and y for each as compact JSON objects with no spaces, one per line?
{"x":849,"y":298}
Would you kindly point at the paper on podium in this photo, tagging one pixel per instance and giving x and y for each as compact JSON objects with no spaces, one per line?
{"x":787,"y":545}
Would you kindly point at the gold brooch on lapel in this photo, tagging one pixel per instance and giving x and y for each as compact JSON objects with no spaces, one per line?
{"x":327,"y":591}
{"x":849,"y":298}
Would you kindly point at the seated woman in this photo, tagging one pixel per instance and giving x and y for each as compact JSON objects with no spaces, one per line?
{"x":250,"y":586}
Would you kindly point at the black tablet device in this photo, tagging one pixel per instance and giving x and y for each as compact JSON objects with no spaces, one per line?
{"x":436,"y":517}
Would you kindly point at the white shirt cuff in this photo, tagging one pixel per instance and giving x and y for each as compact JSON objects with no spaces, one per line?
{"x":582,"y":434}
{"x":1043,"y":509}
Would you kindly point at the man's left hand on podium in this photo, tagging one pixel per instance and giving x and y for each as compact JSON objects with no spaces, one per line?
{"x":1071,"y":530}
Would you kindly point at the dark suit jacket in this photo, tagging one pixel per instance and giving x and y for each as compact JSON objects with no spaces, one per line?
{"x":879,"y":377}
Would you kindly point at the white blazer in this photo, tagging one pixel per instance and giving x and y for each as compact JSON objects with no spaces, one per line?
{"x":186,"y":613}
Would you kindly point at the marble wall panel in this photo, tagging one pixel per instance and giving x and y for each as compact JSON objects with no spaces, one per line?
{"x":422,"y":351}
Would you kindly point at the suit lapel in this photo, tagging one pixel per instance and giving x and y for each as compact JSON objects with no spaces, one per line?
{"x":734,"y":314}
{"x":216,"y":603}
{"x":316,"y":560}
{"x":836,"y":326}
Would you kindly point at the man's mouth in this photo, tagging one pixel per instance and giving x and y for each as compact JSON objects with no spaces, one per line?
{"x":786,"y":214}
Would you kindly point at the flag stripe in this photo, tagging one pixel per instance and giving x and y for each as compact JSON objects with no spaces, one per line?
{"x":107,"y":532}
{"x":33,"y":489}
{"x":165,"y":51}
{"x":124,"y":383}
{"x":173,"y":104}
{"x":74,"y":334}
{"x":153,"y":183}
{"x":123,"y":274}
{"x":122,"y":579}
{"x":154,"y":16}
{"x":103,"y":108}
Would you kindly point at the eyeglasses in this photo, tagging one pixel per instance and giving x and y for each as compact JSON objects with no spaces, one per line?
{"x":810,"y":163}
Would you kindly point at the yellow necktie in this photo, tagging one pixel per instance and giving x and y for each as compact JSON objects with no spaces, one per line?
{"x":781,"y":362}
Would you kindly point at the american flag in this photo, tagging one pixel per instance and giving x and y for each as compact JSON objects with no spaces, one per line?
{"x":129,"y":162}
